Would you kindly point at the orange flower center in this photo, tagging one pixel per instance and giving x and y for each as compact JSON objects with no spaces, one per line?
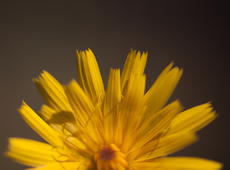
{"x":106,"y":154}
{"x":110,"y":156}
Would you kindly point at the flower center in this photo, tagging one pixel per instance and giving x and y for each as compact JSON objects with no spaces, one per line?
{"x":106,"y":154}
{"x":110,"y":156}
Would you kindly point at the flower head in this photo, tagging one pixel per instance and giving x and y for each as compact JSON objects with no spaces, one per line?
{"x":120,"y":127}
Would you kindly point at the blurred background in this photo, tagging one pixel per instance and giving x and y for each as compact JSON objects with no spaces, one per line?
{"x":43,"y":35}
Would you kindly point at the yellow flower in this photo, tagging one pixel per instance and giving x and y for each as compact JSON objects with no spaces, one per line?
{"x":123,"y":127}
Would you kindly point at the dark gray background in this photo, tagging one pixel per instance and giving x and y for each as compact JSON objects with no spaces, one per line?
{"x":38,"y":35}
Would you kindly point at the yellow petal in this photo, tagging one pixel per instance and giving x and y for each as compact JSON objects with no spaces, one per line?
{"x":193,"y":119}
{"x":131,"y":109}
{"x":134,"y":64}
{"x":113,"y":93}
{"x":162,"y":88}
{"x":54,"y":117}
{"x":86,"y":116}
{"x":47,"y":112}
{"x":166,"y":145}
{"x":152,"y":120}
{"x":156,"y":125}
{"x":79,"y":146}
{"x":179,"y":163}
{"x":112,"y":99}
{"x":80,"y":102}
{"x":89,"y":75}
{"x":39,"y":125}
{"x":188,"y":163}
{"x":30,"y":152}
{"x":52,"y":92}
{"x":63,"y":166}
{"x":62,"y":121}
